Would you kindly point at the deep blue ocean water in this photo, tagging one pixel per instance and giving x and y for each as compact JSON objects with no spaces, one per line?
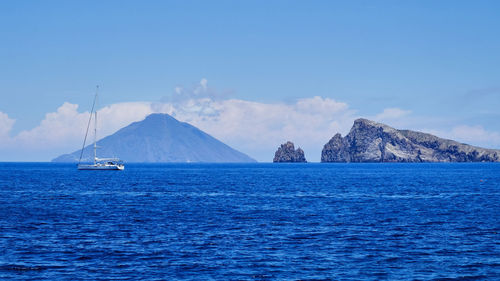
{"x":250,"y":222}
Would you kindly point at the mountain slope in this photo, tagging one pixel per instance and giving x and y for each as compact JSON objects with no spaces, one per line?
{"x":369,"y":141}
{"x":161,"y":138}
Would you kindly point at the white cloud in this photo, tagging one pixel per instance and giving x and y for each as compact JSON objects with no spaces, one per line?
{"x":204,"y":83}
{"x":6,"y":125}
{"x":475,"y":135}
{"x":441,"y":127}
{"x":258,"y":128}
{"x":57,"y":127}
{"x":392,"y":113}
{"x":66,"y":127}
{"x":254,"y":128}
{"x":200,"y":90}
{"x":113,"y":117}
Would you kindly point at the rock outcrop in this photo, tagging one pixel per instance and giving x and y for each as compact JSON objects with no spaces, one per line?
{"x":369,"y":141}
{"x":287,"y":153}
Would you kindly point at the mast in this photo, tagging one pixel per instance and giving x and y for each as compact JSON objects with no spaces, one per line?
{"x":87,"y":132}
{"x":95,"y":128}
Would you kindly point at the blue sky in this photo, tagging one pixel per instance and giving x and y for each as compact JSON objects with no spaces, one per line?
{"x":435,"y":61}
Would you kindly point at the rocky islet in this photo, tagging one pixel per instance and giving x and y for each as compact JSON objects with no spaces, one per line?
{"x":287,"y":153}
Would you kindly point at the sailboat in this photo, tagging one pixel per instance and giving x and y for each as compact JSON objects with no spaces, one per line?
{"x":99,"y":163}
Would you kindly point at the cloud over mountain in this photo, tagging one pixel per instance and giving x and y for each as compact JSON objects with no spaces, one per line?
{"x":255,"y":128}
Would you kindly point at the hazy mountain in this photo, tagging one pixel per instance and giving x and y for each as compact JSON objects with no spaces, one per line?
{"x":160,"y":138}
{"x":370,"y":141}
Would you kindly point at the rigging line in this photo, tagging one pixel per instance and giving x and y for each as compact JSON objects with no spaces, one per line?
{"x":88,"y":126}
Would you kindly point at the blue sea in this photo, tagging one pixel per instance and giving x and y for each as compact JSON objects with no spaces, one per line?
{"x":250,"y":222}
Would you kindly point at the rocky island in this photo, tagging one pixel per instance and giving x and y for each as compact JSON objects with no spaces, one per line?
{"x":369,"y":141}
{"x":287,"y":153}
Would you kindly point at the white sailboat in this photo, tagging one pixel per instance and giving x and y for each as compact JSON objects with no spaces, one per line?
{"x":99,"y":163}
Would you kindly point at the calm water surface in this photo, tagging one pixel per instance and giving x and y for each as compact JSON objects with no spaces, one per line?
{"x":250,"y":222}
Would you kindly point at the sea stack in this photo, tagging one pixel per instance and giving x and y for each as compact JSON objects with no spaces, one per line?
{"x":287,"y":153}
{"x":369,"y":141}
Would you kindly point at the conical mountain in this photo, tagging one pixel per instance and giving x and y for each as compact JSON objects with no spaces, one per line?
{"x":160,"y":138}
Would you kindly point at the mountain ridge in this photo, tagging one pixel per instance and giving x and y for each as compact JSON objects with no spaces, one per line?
{"x":369,"y":141}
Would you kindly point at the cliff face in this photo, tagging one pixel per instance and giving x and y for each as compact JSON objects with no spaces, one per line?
{"x":287,"y":153}
{"x":369,"y":141}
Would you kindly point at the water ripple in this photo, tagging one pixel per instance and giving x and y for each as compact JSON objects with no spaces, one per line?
{"x":251,"y":222}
